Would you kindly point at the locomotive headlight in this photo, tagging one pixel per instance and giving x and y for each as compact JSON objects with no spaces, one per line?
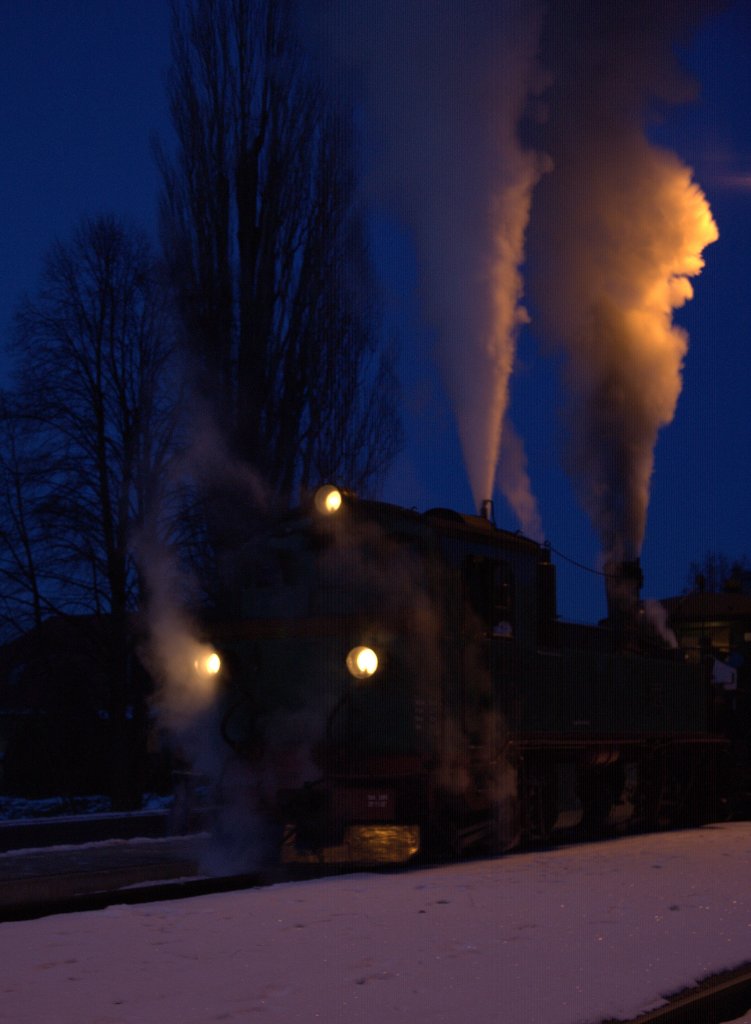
{"x":327,"y":500}
{"x":362,"y":662}
{"x":208,"y":664}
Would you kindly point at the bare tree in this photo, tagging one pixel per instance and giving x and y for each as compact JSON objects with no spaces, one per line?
{"x":717,"y":572}
{"x":93,"y":427}
{"x":268,"y":252}
{"x":26,"y":570}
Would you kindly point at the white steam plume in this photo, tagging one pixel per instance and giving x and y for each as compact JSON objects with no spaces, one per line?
{"x":513,"y":479}
{"x":177,"y":653}
{"x":173,"y":646}
{"x":446,"y":83}
{"x":617,"y":227}
{"x":174,"y":649}
{"x":174,"y":652}
{"x":617,"y":230}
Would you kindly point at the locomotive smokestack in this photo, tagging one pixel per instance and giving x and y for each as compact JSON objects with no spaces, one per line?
{"x":623,"y":583}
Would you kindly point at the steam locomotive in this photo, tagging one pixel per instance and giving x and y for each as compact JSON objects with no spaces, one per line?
{"x":399,"y":684}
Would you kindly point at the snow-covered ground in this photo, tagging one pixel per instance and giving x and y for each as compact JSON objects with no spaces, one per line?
{"x":574,"y":935}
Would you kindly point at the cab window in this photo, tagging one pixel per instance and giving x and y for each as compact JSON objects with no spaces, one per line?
{"x":490,"y":590}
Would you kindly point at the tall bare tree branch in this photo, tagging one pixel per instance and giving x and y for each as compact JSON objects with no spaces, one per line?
{"x":89,"y":434}
{"x":268,"y":252}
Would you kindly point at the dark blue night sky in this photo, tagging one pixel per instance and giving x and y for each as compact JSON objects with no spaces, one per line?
{"x":81,"y":98}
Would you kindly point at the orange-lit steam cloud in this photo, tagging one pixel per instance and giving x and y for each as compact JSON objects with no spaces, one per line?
{"x":504,"y":123}
{"x":618,"y":229}
{"x":625,"y":354}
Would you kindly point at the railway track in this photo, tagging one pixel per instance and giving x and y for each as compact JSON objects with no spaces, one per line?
{"x":52,"y":867}
{"x":34,"y":880}
{"x":37,"y":905}
{"x":40,"y":832}
{"x":724,"y":997}
{"x":63,"y":865}
{"x":35,"y":833}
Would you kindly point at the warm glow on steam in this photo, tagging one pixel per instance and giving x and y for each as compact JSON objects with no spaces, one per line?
{"x":637,"y":235}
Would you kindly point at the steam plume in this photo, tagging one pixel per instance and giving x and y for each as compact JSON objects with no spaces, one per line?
{"x":174,"y":650}
{"x":617,"y":226}
{"x":618,"y":229}
{"x":188,"y":698}
{"x":514,"y":482}
{"x":446,"y":84}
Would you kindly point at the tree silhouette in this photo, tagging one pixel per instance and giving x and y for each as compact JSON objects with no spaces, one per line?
{"x":93,"y":426}
{"x":268,"y":253}
{"x":716,"y":572}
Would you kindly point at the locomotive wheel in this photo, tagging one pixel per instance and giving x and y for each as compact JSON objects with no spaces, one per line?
{"x":599,"y":789}
{"x":502,"y":791}
{"x":650,"y":791}
{"x":702,"y":792}
{"x":539,"y":802}
{"x":692,"y":801}
{"x":441,"y":830}
{"x":454,"y":830}
{"x":506,"y":826}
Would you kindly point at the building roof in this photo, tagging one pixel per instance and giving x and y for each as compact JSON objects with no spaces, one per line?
{"x":698,"y":607}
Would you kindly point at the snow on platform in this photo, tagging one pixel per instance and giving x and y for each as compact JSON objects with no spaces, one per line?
{"x":573,"y":935}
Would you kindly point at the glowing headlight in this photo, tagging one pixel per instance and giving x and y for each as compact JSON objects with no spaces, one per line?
{"x":327,"y":500}
{"x":208,"y":664}
{"x":362,"y":662}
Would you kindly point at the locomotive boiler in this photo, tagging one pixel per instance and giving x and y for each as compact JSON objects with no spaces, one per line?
{"x":399,"y":683}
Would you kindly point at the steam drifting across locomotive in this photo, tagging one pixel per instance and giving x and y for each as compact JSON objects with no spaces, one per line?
{"x":405,"y":676}
{"x":399,"y":683}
